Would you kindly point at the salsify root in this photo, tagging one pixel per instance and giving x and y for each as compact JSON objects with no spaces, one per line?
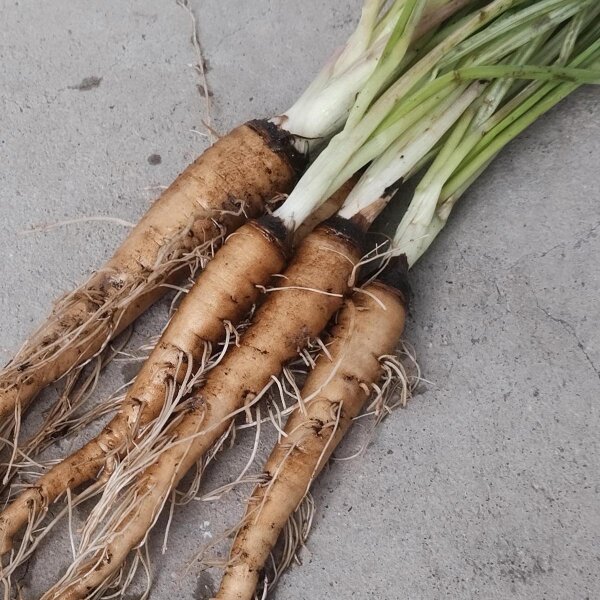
{"x":368,"y":326}
{"x":310,"y":292}
{"x":223,"y":294}
{"x":226,"y":184}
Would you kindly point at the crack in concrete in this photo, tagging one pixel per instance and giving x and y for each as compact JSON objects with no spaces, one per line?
{"x":577,"y":243}
{"x":571,"y":331}
{"x":586,"y":236}
{"x":546,"y":252}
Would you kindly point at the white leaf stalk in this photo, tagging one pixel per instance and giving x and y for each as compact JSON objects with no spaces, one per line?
{"x":377,"y":144}
{"x":390,"y":59}
{"x":465,"y":136}
{"x":467,"y":153}
{"x":527,"y":98}
{"x":557,"y":49}
{"x":312,"y":190}
{"x":401,"y":157}
{"x":324,"y":106}
{"x":526,"y":19}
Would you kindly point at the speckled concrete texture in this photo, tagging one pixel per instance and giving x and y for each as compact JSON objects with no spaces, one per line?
{"x":488,"y":485}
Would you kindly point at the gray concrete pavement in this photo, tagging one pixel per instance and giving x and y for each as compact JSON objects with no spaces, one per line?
{"x":487,"y":486}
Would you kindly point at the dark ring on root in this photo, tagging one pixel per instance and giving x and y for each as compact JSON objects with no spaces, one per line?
{"x":395,"y":276}
{"x":274,"y":230}
{"x":281,"y":142}
{"x":347,"y":229}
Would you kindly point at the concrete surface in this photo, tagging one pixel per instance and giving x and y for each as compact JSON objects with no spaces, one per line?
{"x":487,"y":485}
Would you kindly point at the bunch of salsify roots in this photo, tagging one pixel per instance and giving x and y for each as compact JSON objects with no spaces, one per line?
{"x":273,"y":222}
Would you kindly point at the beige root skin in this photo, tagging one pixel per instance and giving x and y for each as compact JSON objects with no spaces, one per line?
{"x":229,"y":182}
{"x":225,"y":291}
{"x":368,"y":327}
{"x":310,"y":293}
